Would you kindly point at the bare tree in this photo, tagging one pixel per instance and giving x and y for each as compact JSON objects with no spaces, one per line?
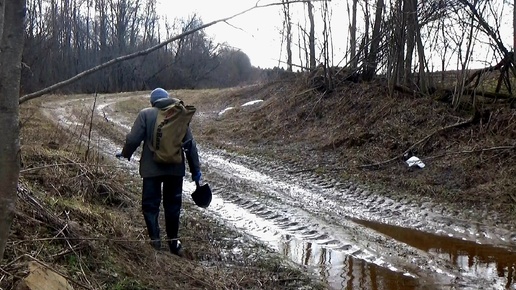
{"x":311,"y":37}
{"x":372,"y":59}
{"x":353,"y":35}
{"x":288,"y":32}
{"x":12,"y":13}
{"x":423,"y":82}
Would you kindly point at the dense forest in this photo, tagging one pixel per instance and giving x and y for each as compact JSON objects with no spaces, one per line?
{"x":64,"y":38}
{"x":406,"y":42}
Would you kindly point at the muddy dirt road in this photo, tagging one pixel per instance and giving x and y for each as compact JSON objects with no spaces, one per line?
{"x":350,"y":236}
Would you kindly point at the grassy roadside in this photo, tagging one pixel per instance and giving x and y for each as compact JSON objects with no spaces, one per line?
{"x":81,"y":217}
{"x":470,"y":158}
{"x":92,"y":203}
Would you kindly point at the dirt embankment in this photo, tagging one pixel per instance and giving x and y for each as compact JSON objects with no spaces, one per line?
{"x":359,"y":132}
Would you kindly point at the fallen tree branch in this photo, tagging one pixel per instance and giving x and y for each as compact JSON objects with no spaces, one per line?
{"x":489,"y":95}
{"x":144,"y":52}
{"x":55,"y":222}
{"x":65,"y":164}
{"x":471,"y":151}
{"x":101,"y":239}
{"x":468,"y":121}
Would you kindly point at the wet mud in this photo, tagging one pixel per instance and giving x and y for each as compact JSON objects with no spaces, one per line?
{"x":348,"y":235}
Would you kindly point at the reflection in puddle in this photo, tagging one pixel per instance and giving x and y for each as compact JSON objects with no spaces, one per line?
{"x":339,"y":267}
{"x":339,"y":270}
{"x":493,"y":263}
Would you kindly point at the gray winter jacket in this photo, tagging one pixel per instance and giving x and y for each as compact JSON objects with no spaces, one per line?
{"x":142,"y":130}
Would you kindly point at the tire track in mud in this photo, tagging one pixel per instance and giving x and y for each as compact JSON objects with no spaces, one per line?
{"x":337,"y":229}
{"x":357,"y":202}
{"x":318,"y":219}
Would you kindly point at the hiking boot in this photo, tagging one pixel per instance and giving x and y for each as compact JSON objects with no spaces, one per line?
{"x":176,"y":248}
{"x":156,"y":244}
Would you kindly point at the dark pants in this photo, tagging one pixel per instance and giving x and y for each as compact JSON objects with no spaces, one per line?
{"x":172,"y":199}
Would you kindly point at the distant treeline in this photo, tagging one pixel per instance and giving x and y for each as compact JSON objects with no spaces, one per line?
{"x":66,"y":37}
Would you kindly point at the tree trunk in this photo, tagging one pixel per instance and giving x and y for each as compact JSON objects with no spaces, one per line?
{"x":2,"y":12}
{"x":353,"y":36}
{"x":288,"y":33}
{"x":311,"y":37}
{"x":411,"y":43}
{"x":11,"y":46}
{"x":396,"y":57}
{"x":423,"y":82}
{"x":372,"y":59}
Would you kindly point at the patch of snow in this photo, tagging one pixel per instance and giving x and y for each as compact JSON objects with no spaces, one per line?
{"x":252,"y":103}
{"x":225,"y":110}
{"x":243,"y":105}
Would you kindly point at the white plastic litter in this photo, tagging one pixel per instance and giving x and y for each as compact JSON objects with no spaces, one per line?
{"x":415,"y":161}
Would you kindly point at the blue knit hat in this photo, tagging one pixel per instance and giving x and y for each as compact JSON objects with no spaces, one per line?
{"x":157,"y":94}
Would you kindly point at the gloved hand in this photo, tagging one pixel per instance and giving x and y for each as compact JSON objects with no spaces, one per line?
{"x":119,"y":155}
{"x":196,"y":176}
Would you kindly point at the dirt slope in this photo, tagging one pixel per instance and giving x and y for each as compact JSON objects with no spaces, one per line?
{"x":356,"y":133}
{"x":359,"y":132}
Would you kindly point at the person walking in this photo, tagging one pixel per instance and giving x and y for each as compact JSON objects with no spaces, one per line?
{"x":161,"y":179}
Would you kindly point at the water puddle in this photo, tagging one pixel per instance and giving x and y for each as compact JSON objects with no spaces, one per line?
{"x":477,"y":260}
{"x":338,"y":266}
{"x":340,"y":270}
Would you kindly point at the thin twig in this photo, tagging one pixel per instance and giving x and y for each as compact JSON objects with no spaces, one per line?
{"x":79,"y":260}
{"x":91,"y":126}
{"x":302,"y":170}
{"x":15,"y":242}
{"x":471,"y":151}
{"x":60,"y":232}
{"x":65,"y":164}
{"x":512,"y":196}
{"x":417,"y":143}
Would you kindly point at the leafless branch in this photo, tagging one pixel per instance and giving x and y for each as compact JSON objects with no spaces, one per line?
{"x":75,"y":78}
{"x":417,"y":143}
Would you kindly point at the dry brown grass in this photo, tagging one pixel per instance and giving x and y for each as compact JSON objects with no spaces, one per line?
{"x":472,"y":165}
{"x":81,"y":217}
{"x":335,"y":134}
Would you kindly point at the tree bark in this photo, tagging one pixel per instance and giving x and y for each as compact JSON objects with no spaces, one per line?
{"x":288,"y":33}
{"x":311,"y":37}
{"x":11,"y":46}
{"x":353,"y":36}
{"x":2,"y":12}
{"x":372,"y":59}
{"x":408,"y":11}
{"x":423,"y":82}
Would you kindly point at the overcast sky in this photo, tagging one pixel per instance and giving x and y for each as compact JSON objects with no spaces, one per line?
{"x":258,"y":32}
